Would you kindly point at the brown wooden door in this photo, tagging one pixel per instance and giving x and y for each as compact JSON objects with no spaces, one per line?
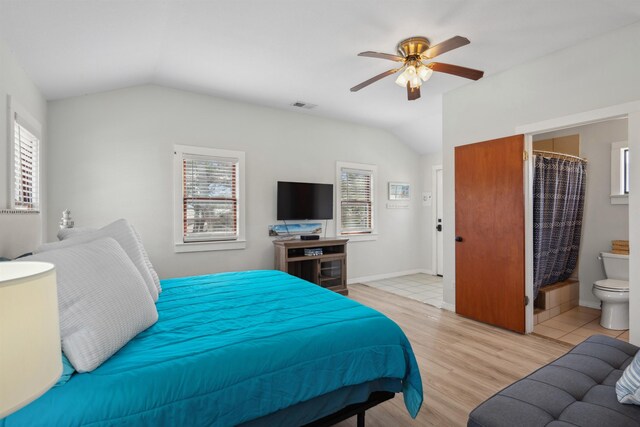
{"x":489,"y":182}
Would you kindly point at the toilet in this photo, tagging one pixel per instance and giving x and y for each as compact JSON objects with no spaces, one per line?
{"x":614,"y":291}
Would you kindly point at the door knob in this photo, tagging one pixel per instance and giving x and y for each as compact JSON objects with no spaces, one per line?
{"x":458,"y":238}
{"x":439,"y":227}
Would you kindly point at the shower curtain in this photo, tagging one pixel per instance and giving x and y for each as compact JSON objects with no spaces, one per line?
{"x":558,"y":204}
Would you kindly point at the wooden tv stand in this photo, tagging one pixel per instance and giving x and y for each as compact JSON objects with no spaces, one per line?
{"x":328,"y":270}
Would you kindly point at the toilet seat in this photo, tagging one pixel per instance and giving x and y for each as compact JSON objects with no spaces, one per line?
{"x":612,"y":285}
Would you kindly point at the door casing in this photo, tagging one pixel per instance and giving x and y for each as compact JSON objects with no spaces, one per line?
{"x":436,"y":255}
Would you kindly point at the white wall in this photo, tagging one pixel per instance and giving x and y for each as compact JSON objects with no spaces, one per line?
{"x":634,"y":230}
{"x":563,"y":83}
{"x":427,"y":162}
{"x":19,"y":233}
{"x":111,"y":157}
{"x":602,"y":221}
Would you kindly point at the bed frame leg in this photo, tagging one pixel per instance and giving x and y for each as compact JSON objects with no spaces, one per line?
{"x":360,"y":419}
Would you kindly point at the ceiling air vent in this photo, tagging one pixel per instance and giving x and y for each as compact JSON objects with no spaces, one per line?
{"x":304,"y":105}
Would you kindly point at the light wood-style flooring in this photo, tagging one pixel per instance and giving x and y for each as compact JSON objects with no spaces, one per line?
{"x":462,"y":362}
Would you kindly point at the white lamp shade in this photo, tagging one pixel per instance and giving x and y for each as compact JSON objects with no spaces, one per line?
{"x":402,"y":79}
{"x":424,"y":72}
{"x":411,"y":71}
{"x":30,"y":355}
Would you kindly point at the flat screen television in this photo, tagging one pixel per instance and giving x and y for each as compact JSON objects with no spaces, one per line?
{"x":303,"y":200}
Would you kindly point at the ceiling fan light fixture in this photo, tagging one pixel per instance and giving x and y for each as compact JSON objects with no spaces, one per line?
{"x":402,"y":80}
{"x":424,"y":72}
{"x":416,"y":55}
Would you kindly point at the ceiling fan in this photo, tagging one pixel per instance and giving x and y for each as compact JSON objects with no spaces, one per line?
{"x":414,"y":54}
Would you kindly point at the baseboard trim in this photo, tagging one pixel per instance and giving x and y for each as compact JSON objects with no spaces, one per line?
{"x":449,"y":307}
{"x":375,"y":277}
{"x":590,"y":304}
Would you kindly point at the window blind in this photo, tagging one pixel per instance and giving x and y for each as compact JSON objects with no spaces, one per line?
{"x":210,"y":198}
{"x":356,"y":189}
{"x":26,"y":154}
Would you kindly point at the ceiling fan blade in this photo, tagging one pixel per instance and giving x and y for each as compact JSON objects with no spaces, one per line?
{"x":382,"y":56}
{"x":374,"y":79}
{"x":412,"y":93}
{"x":445,"y":46}
{"x":456,"y":70}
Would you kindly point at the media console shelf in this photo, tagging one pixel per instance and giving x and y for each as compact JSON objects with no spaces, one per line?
{"x":328,"y":270}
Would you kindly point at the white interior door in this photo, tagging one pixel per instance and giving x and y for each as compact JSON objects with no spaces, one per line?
{"x":439,"y":225}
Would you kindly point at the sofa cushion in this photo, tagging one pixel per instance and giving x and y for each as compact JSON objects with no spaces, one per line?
{"x":578,"y":389}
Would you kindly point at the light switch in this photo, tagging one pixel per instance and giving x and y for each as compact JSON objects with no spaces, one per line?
{"x":426,"y":199}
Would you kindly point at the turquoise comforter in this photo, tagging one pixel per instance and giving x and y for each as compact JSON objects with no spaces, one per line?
{"x":229,"y":348}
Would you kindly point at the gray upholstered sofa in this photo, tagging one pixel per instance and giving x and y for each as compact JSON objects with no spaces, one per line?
{"x":578,"y":389}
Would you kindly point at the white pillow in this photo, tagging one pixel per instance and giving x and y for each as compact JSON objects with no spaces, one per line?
{"x":123,"y":233}
{"x":102,"y":299}
{"x":66,"y":233}
{"x":628,"y":386}
{"x":145,"y":255}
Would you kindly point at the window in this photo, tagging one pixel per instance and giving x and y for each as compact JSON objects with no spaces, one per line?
{"x":355,"y":199}
{"x":620,"y":173}
{"x":209,"y":199}
{"x":26,"y":163}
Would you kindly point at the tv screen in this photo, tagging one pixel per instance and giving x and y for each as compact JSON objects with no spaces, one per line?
{"x":302,"y":200}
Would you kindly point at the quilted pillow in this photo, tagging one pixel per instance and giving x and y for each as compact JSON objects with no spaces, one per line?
{"x":147,"y":261}
{"x":628,"y":386}
{"x":124,"y":234}
{"x":102,"y":299}
{"x":65,"y":233}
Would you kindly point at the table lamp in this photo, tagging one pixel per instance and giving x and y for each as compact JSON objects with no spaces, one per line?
{"x":30,"y":355}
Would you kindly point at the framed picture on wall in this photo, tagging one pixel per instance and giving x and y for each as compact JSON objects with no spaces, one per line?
{"x":399,"y":191}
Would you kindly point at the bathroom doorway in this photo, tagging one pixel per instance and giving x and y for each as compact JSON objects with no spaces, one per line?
{"x":571,"y":228}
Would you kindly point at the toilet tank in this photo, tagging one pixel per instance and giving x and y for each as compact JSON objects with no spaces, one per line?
{"x":615,"y":266}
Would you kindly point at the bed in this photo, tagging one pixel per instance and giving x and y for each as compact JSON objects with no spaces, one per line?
{"x":249,"y":348}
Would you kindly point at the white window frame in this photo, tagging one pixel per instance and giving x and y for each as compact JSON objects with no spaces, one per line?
{"x":27,"y":121}
{"x":618,"y":196}
{"x":373,"y":169}
{"x":214,"y":245}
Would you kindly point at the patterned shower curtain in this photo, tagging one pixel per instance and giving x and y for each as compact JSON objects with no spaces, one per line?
{"x":558,"y":204}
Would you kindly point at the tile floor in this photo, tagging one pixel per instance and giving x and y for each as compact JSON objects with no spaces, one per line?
{"x":575,"y":325}
{"x":422,"y":287}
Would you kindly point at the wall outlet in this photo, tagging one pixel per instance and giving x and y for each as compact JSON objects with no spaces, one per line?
{"x":426,"y":199}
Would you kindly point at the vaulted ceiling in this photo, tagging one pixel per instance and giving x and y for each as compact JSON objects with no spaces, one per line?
{"x":279,"y":51}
